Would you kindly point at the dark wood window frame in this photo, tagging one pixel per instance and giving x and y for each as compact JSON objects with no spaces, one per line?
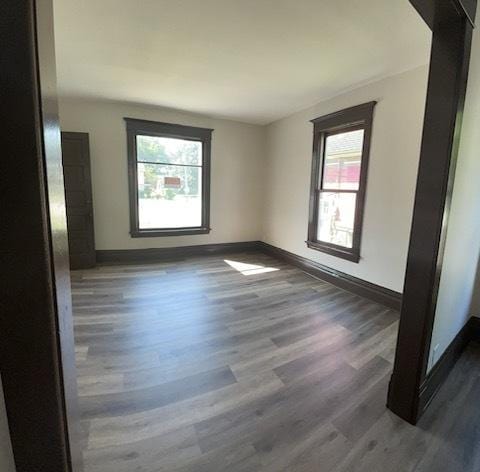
{"x":350,"y":119}
{"x":137,"y":127}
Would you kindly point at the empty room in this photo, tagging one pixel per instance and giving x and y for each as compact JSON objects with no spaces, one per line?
{"x":240,"y":236}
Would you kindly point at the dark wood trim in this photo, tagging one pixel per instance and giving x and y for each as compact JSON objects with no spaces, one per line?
{"x":439,"y":373}
{"x":128,"y":256}
{"x":360,"y":287}
{"x":469,"y":9}
{"x":357,"y":117}
{"x":37,"y":350}
{"x":426,"y":9}
{"x":167,"y":130}
{"x":449,"y":63}
{"x":343,"y":118}
{"x":475,"y":328}
{"x":333,"y":250}
{"x":151,"y":233}
{"x":429,"y":9}
{"x":57,"y":222}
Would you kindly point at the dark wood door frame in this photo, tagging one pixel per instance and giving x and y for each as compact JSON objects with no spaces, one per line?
{"x":429,"y":9}
{"x":449,"y":63}
{"x":36,"y":349}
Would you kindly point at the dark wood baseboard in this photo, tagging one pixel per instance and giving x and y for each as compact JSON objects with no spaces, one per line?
{"x":132,"y":256}
{"x":358,"y":286}
{"x":474,"y":326}
{"x":439,"y":373}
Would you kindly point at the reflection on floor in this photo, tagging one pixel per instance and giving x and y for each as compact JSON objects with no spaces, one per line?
{"x":241,"y":363}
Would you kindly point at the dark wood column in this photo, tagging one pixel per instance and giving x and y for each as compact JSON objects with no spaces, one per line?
{"x":37,"y":350}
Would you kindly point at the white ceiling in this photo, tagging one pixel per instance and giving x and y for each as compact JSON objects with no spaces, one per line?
{"x":248,"y":60}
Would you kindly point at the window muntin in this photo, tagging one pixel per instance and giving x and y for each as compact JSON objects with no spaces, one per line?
{"x":169,"y":178}
{"x":340,"y":160}
{"x":161,"y":150}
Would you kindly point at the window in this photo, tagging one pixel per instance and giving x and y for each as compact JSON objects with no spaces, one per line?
{"x":341,"y":147}
{"x":169,"y":178}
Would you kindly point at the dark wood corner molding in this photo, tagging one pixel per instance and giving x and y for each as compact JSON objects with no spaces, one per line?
{"x":382,"y":295}
{"x":439,"y":373}
{"x":132,"y":256}
{"x":449,"y":65}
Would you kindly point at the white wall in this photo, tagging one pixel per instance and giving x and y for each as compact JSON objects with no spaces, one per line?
{"x":236,"y":179}
{"x":6,"y":455}
{"x":394,"y":155}
{"x":462,"y":248}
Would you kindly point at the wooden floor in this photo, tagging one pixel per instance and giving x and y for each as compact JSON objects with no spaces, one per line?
{"x":241,"y":363}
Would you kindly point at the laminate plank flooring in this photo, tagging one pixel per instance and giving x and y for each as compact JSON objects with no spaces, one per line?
{"x":242,"y":363}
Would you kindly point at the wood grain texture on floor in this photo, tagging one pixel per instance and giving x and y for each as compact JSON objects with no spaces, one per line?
{"x":242,"y":363}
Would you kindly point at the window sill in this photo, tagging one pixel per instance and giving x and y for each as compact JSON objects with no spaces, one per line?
{"x":155,"y":233}
{"x":334,"y":251}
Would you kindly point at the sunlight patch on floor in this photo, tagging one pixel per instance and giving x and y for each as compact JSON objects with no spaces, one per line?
{"x":249,"y":269}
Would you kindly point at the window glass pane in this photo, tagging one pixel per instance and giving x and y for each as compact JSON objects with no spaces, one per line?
{"x":169,"y":150}
{"x":343,"y":156}
{"x":336,"y":216}
{"x":169,"y":196}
